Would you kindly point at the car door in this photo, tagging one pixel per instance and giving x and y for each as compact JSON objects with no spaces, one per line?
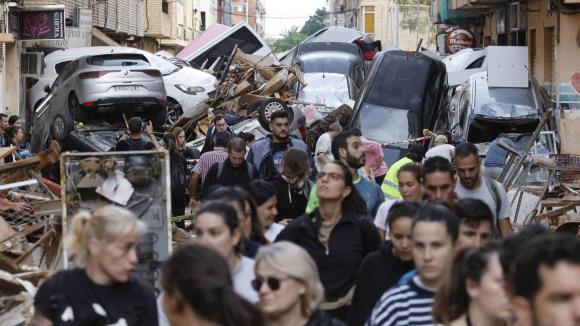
{"x":55,"y":103}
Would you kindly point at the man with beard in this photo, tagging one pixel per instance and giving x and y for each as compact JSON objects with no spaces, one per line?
{"x":266,"y":154}
{"x":348,"y":148}
{"x":546,"y":282}
{"x":472,"y":184}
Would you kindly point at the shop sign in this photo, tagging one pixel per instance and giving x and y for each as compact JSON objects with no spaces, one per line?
{"x":459,"y":39}
{"x":38,"y":23}
{"x":75,"y":37}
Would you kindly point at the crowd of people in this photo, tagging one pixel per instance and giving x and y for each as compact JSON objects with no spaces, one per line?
{"x":289,"y":233}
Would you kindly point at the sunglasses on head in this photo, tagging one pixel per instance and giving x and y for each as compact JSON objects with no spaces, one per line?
{"x":272,"y":282}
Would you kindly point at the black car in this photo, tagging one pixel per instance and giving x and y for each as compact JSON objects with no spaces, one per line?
{"x":403,"y":93}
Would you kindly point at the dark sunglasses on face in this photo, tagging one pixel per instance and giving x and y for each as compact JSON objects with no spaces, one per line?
{"x":272,"y":282}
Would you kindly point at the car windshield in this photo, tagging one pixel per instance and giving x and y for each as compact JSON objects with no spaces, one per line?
{"x":118,"y":60}
{"x":403,"y":87}
{"x":164,"y":65}
{"x":504,"y":102}
{"x":317,"y":62}
{"x":386,"y":125}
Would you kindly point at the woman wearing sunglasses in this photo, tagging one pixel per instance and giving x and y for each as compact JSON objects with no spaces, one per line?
{"x":101,"y":290}
{"x":336,"y":236}
{"x":473,"y":292}
{"x":217,"y":226}
{"x":292,"y":185}
{"x":289,"y":287}
{"x":197,"y":290}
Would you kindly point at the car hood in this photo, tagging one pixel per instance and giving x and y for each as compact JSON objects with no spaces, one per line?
{"x":191,"y":77}
{"x":328,"y":89}
{"x":496,"y":110}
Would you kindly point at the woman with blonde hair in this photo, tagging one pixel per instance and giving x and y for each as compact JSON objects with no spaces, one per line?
{"x":100,"y":289}
{"x":289,"y":287}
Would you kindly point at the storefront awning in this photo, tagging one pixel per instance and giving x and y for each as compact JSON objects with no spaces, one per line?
{"x":103,"y":37}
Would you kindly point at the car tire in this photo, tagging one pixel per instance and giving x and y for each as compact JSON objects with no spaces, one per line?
{"x":174,"y":111}
{"x":269,"y":106}
{"x":61,"y":127}
{"x":159,"y":117}
{"x":76,"y":111}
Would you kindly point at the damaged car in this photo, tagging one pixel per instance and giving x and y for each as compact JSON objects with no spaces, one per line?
{"x":404,"y":93}
{"x":101,"y":90}
{"x":479,"y":112}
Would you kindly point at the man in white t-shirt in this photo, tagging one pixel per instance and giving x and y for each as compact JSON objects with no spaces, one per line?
{"x":472,"y":184}
{"x":441,"y":148}
{"x":323,"y":152}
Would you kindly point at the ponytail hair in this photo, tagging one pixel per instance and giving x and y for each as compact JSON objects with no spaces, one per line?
{"x":201,"y":277}
{"x":106,"y":223}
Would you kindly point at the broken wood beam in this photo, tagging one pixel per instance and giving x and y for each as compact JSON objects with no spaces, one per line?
{"x":555,"y":213}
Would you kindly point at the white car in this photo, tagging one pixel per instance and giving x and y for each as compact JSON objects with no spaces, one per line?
{"x":461,"y":65}
{"x":185,"y":86}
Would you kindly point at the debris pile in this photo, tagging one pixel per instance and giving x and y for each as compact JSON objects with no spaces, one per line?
{"x":30,"y":231}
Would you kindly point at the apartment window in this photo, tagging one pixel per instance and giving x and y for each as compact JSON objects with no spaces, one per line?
{"x":202,"y":25}
{"x":165,"y":6}
{"x":549,"y":59}
{"x":369,"y":20}
{"x":532,"y":49}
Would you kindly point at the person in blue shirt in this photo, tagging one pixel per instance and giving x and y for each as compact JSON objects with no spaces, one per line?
{"x":496,"y":157}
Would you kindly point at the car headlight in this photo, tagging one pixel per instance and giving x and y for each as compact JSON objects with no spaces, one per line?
{"x":191,"y":90}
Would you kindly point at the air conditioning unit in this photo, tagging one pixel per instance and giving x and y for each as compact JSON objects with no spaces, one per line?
{"x":238,"y":8}
{"x":515,"y":19}
{"x":31,"y":64}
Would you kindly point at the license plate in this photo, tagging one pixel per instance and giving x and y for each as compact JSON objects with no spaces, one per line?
{"x":126,"y":88}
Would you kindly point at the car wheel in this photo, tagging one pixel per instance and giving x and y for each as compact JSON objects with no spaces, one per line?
{"x":174,"y":111}
{"x":270,"y":106}
{"x":75,"y":109}
{"x":61,"y":127}
{"x":159,"y":117}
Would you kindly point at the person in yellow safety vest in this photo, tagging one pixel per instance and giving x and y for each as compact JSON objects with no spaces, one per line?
{"x":390,"y":186}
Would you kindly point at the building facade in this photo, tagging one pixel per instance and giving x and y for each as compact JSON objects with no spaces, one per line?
{"x":549,"y":28}
{"x":251,"y":11}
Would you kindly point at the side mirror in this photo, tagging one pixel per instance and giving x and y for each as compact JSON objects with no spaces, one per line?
{"x":47,"y":89}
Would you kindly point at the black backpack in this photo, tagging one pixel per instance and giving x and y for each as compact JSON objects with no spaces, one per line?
{"x":178,"y":173}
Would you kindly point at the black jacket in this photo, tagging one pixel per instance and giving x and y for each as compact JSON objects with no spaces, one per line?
{"x":379,"y":271}
{"x":291,"y":202}
{"x":352,"y":238}
{"x":321,"y":318}
{"x":230,"y":176}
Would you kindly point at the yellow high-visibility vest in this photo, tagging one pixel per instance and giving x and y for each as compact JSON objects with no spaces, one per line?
{"x":390,"y":185}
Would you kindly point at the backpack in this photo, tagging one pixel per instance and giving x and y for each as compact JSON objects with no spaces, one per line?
{"x":178,"y":173}
{"x":249,"y":167}
{"x":492,"y":186}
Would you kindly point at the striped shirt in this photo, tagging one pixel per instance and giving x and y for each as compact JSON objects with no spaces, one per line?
{"x":206,"y":160}
{"x":408,"y":304}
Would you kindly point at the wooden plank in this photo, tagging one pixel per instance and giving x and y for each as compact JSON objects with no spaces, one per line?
{"x":5,"y":151}
{"x":555,"y":213}
{"x":47,"y":208}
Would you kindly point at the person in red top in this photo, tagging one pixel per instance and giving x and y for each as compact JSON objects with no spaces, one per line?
{"x":375,"y":159}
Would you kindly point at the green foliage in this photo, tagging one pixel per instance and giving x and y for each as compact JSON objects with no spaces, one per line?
{"x":314,"y":23}
{"x":290,"y":38}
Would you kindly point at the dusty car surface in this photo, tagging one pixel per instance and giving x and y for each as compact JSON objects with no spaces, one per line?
{"x":99,"y":88}
{"x":404,"y":93}
{"x":333,"y":57}
{"x":478,"y":112}
{"x":184,"y":85}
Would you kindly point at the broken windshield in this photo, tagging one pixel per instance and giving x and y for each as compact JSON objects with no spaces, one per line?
{"x":504,"y":102}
